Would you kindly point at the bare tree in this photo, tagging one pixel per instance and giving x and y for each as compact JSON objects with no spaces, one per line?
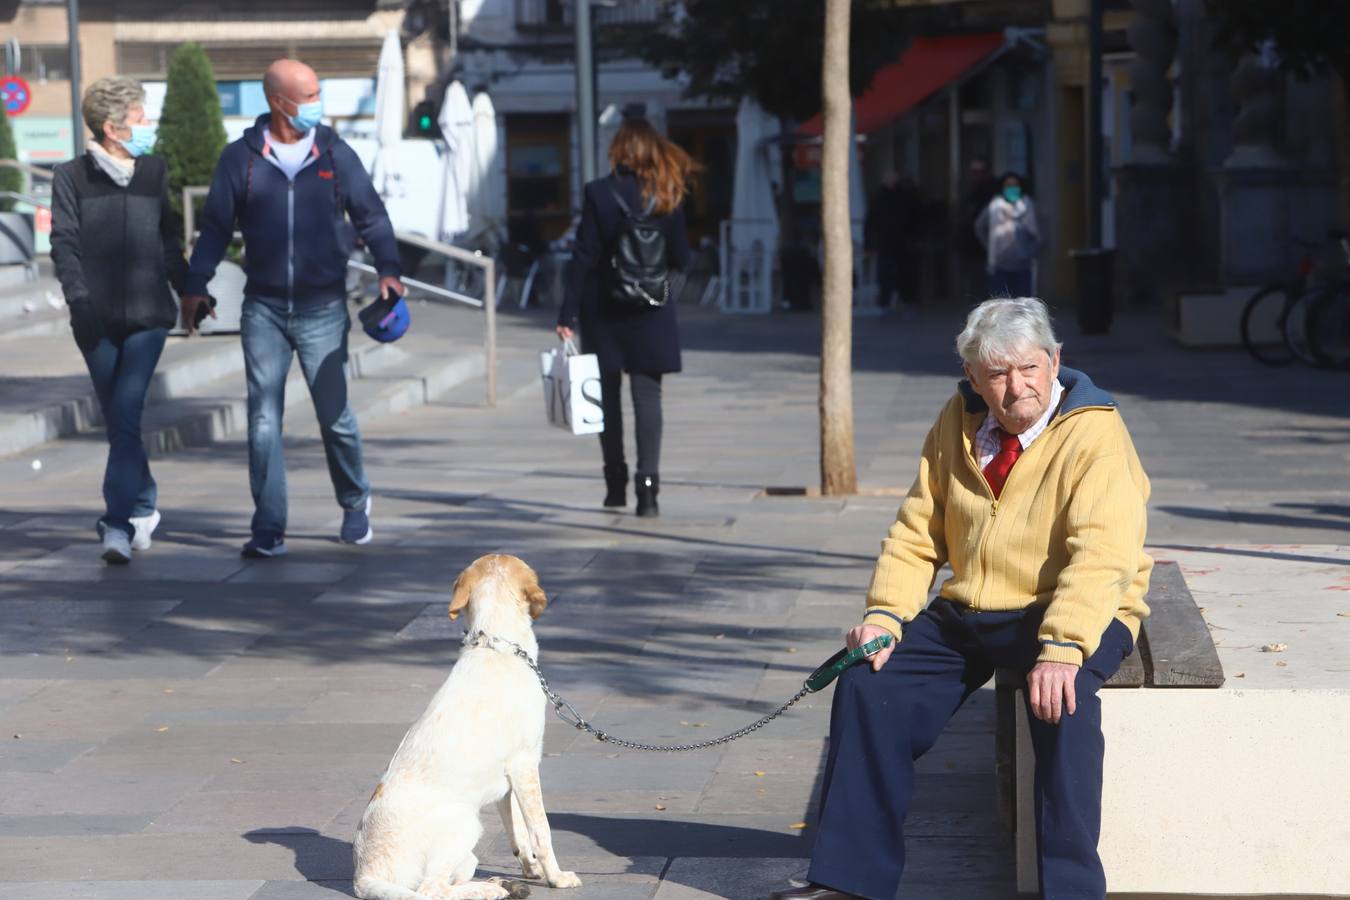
{"x":838,"y":471}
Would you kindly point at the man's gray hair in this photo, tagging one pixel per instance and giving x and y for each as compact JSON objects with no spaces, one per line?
{"x":108,"y":100}
{"x":998,"y":330}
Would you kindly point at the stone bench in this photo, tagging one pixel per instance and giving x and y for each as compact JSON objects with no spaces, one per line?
{"x":1211,"y":789}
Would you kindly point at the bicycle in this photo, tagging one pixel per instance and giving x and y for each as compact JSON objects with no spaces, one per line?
{"x":1327,"y":326}
{"x":1275,"y":311}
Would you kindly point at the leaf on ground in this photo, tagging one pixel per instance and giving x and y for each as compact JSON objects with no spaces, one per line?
{"x":1240,"y":675}
{"x":660,"y":807}
{"x":1282,"y":663}
{"x":759,"y":774}
{"x":168,"y":690}
{"x":1274,"y":648}
{"x":792,"y":649}
{"x":797,"y":826}
{"x":161,"y":729}
{"x":235,"y":759}
{"x":718,"y":637}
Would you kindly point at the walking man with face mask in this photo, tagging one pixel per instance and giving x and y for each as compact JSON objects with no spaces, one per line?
{"x":288,"y":183}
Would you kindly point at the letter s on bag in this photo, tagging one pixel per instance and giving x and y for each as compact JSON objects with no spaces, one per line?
{"x":590,"y":392}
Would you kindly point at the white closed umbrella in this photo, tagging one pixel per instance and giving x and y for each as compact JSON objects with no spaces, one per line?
{"x":753,"y":197}
{"x":389,"y":117}
{"x":456,"y":121}
{"x":747,"y":264}
{"x":487,"y":200}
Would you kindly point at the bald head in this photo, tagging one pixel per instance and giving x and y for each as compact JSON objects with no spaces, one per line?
{"x":292,"y":79}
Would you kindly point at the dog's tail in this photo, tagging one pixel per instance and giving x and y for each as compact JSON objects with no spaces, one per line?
{"x":370,"y":888}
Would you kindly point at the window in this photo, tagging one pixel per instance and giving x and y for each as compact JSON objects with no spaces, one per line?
{"x":45,"y":63}
{"x":538,"y":174}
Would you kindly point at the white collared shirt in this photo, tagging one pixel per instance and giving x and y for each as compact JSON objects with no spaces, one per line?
{"x":986,"y":440}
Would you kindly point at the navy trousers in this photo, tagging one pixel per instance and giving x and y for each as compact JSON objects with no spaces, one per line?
{"x":881,"y":722}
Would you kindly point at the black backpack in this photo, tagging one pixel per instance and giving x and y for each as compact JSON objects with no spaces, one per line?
{"x":639,"y":275}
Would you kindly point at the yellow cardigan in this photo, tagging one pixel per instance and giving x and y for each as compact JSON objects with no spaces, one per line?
{"x":1067,"y":531}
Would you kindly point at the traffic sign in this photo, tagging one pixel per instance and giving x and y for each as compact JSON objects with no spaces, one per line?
{"x":15,"y":95}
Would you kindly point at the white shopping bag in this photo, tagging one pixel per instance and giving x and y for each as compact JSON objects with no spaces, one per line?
{"x":572,"y":389}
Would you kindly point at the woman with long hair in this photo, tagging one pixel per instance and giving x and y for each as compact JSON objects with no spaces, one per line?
{"x":647,"y":182}
{"x":116,"y":249}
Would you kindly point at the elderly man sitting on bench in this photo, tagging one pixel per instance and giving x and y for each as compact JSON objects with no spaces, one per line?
{"x":1030,"y":488}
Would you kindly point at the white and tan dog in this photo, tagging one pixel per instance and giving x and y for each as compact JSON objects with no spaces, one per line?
{"x":478,"y":742}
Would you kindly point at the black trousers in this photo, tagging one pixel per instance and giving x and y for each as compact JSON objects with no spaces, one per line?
{"x":646,"y":390}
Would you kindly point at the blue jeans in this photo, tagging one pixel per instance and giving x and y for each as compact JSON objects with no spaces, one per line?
{"x":318,"y":335}
{"x":881,"y":722}
{"x":121,"y":369}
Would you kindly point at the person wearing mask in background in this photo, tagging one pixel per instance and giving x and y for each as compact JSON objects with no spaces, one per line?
{"x":116,"y":250}
{"x":648,"y":174}
{"x":890,"y":231}
{"x":1008,"y":232}
{"x":288,"y":182}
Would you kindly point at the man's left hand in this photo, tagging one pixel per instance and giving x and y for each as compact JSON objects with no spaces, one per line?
{"x":391,"y":285}
{"x":1050,"y":690}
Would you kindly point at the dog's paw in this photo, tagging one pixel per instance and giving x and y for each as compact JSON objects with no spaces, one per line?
{"x":530,"y":868}
{"x":565,"y":880}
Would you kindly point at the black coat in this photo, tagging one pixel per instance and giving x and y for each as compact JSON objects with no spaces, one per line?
{"x":116,"y":249}
{"x":638,"y":340}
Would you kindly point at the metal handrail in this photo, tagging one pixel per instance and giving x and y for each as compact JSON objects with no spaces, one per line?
{"x":469,"y":257}
{"x":30,"y":170}
{"x":24,"y":198}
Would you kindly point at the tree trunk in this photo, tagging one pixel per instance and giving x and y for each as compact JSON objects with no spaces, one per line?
{"x":838,"y":473}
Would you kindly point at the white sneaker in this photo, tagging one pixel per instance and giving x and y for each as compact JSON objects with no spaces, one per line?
{"x":145,"y":526}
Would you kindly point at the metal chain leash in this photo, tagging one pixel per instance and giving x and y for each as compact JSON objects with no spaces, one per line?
{"x":568,"y":713}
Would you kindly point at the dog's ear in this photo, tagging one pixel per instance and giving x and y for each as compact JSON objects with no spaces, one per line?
{"x":536,"y":597}
{"x":460,"y":596}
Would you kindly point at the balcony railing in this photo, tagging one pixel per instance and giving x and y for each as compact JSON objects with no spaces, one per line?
{"x":546,"y":15}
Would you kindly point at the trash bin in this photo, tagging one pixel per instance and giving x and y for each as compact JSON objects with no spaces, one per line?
{"x":1094,"y":270}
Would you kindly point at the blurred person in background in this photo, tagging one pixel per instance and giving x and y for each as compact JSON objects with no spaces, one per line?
{"x":1008,"y":232}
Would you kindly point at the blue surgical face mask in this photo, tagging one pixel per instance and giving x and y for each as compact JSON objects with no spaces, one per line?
{"x":142,"y":140}
{"x":1012,"y":193}
{"x":307,"y":115}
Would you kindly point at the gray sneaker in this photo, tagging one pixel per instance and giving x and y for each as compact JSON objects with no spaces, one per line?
{"x":116,"y":547}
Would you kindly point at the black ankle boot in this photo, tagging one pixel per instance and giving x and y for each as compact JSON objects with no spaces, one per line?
{"x":647,"y":487}
{"x":616,"y":485}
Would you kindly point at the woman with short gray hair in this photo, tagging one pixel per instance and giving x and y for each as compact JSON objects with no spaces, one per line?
{"x":116,"y":250}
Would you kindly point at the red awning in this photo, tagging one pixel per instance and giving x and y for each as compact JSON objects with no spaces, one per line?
{"x":930,"y":64}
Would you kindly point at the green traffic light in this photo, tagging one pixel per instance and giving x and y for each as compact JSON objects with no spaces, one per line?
{"x":425,"y":122}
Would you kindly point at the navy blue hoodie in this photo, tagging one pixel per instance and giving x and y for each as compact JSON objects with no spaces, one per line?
{"x":294,"y":249}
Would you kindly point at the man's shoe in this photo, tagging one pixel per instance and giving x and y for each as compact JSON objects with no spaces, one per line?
{"x":145,"y":526}
{"x":116,"y":547}
{"x":356,"y":526}
{"x":811,"y":892}
{"x":264,"y":545}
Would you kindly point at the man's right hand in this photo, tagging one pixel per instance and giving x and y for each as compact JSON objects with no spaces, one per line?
{"x":188,"y":312}
{"x":862,"y":634}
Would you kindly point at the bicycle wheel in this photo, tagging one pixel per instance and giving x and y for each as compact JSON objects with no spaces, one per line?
{"x":1263,"y":326}
{"x":1329,"y":327}
{"x":1296,"y":328}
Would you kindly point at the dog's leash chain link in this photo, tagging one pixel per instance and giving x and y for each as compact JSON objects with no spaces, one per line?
{"x":568,"y":713}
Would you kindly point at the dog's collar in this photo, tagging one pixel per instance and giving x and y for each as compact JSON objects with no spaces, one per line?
{"x":478,"y":638}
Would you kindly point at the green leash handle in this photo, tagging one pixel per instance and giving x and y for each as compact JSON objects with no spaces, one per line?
{"x":833,"y":667}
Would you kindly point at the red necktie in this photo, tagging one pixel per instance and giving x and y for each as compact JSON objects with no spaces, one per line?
{"x":996,"y":472}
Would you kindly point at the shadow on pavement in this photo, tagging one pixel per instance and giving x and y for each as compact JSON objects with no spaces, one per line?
{"x":318,"y":858}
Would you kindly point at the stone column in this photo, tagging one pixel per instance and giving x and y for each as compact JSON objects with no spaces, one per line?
{"x":1153,"y":35}
{"x":1151,"y":236}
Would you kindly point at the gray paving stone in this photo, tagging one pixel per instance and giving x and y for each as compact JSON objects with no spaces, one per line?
{"x":303,"y":890}
{"x":133,"y":890}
